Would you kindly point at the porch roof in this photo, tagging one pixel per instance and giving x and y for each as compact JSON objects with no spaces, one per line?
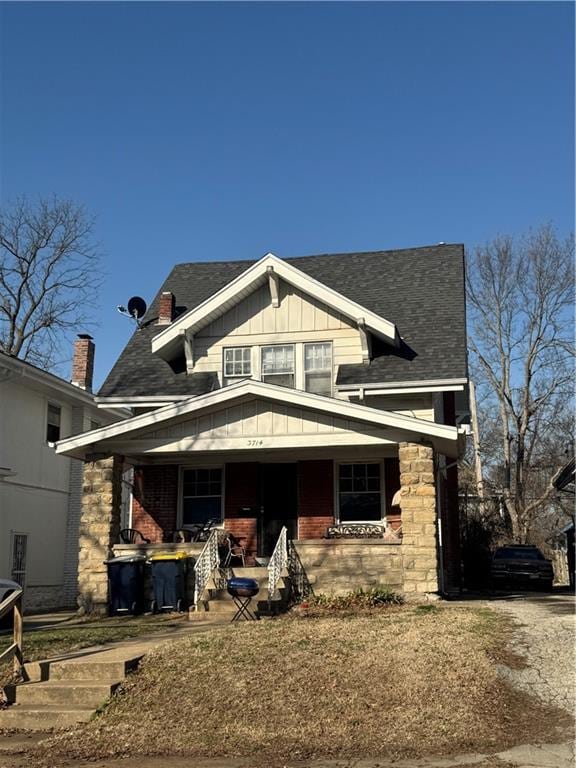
{"x":253,"y":414}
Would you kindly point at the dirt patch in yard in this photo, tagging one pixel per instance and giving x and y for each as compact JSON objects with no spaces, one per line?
{"x":395,"y":684}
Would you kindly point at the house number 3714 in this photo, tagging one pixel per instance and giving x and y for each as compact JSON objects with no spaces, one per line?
{"x":255,"y":443}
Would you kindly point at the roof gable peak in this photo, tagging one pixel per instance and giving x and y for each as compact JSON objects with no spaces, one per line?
{"x":268,"y":269}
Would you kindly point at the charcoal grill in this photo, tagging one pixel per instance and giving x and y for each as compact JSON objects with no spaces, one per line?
{"x":242,"y":591}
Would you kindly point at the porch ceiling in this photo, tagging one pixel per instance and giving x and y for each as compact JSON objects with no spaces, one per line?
{"x":255,"y":417}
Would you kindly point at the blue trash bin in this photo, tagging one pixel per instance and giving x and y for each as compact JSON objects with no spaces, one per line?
{"x":126,"y":584}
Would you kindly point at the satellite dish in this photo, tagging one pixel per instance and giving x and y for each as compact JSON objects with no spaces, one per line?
{"x":137,"y":307}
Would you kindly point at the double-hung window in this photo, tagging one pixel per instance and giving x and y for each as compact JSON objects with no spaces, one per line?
{"x":318,"y":368}
{"x":277,"y":365}
{"x":360,"y":492}
{"x":201,"y":495}
{"x":237,"y":363}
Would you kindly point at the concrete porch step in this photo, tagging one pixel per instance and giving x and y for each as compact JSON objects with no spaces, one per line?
{"x":31,"y":717}
{"x":106,"y":671}
{"x":84,"y":693}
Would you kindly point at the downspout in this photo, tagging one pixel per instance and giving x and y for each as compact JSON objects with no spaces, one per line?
{"x":439,"y":507}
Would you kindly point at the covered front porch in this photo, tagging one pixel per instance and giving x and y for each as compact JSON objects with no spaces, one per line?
{"x":259,"y":459}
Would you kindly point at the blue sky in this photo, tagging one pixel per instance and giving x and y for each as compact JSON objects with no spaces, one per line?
{"x":200,"y":131}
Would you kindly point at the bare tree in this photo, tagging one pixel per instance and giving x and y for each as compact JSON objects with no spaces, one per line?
{"x":520,"y":299}
{"x":49,"y":277}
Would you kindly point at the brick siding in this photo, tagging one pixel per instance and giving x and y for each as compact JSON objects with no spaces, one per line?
{"x":155,"y":501}
{"x":242,"y":490}
{"x":315,"y":498}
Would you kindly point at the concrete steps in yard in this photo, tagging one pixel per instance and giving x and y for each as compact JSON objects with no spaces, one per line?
{"x":64,"y":692}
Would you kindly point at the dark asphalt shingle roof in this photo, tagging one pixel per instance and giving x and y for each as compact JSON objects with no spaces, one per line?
{"x":421,"y":290}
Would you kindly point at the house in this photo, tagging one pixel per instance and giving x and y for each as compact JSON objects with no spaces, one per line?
{"x":40,"y":492}
{"x":319,"y":395}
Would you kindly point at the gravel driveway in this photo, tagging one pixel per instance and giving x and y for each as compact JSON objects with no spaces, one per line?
{"x":546,"y":639}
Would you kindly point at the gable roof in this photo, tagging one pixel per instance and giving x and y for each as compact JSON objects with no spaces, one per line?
{"x":444,"y":436}
{"x":29,"y":375}
{"x":420,"y":290}
{"x":254,"y":276}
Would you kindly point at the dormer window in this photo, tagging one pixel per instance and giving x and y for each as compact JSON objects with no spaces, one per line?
{"x":278,"y":365}
{"x":237,"y":362}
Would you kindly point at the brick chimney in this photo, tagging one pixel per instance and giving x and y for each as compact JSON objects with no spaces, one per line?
{"x":83,"y":362}
{"x":166,"y":311}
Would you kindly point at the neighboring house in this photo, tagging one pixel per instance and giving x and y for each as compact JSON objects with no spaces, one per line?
{"x":40,"y":492}
{"x":307,"y":393}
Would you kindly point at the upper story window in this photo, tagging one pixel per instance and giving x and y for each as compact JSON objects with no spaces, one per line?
{"x":237,"y":362}
{"x":54,"y":416}
{"x":278,"y":365}
{"x":318,"y":368}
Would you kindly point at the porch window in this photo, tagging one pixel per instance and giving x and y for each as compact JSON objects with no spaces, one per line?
{"x":359,"y":491}
{"x":201,"y":495}
{"x":318,"y":368}
{"x":278,"y":365}
{"x":237,"y":362}
{"x":53,"y":423}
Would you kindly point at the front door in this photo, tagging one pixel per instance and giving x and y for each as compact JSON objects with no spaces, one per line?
{"x":278,"y":505}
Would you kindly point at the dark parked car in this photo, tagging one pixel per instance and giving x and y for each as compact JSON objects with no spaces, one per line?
{"x":521,"y":565}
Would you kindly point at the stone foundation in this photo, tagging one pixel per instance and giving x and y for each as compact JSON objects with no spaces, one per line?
{"x":339,"y":566}
{"x":99,"y":529}
{"x":418,"y":505}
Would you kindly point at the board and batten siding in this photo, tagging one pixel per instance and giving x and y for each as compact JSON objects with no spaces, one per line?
{"x":260,"y":418}
{"x":255,"y":322}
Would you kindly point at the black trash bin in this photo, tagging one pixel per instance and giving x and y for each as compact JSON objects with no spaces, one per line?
{"x":169,"y":573}
{"x":126,"y":584}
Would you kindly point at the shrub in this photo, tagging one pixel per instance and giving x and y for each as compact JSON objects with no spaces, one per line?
{"x":359,"y":598}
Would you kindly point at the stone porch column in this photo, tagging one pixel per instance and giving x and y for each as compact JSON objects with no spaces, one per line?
{"x":99,"y":528}
{"x":418,"y":505}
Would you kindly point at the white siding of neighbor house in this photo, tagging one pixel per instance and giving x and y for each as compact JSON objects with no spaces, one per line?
{"x":42,"y":500}
{"x":255,"y":322}
{"x":35,"y":500}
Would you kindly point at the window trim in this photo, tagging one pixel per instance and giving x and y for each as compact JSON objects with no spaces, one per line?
{"x":331,"y":369}
{"x":261,"y":349}
{"x":237,"y":376}
{"x":180,"y":506}
{"x":337,"y":518}
{"x":54,"y":404}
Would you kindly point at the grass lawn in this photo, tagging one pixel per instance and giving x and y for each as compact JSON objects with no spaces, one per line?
{"x":397,"y":682}
{"x":77,"y":634}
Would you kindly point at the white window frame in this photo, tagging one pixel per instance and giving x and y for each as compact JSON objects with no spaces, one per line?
{"x":186,"y":467}
{"x":337,"y":518}
{"x":54,"y":404}
{"x":304,"y":371}
{"x":284,"y":373}
{"x":236,"y":376}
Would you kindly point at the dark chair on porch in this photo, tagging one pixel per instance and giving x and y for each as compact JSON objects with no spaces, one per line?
{"x":132,"y":536}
